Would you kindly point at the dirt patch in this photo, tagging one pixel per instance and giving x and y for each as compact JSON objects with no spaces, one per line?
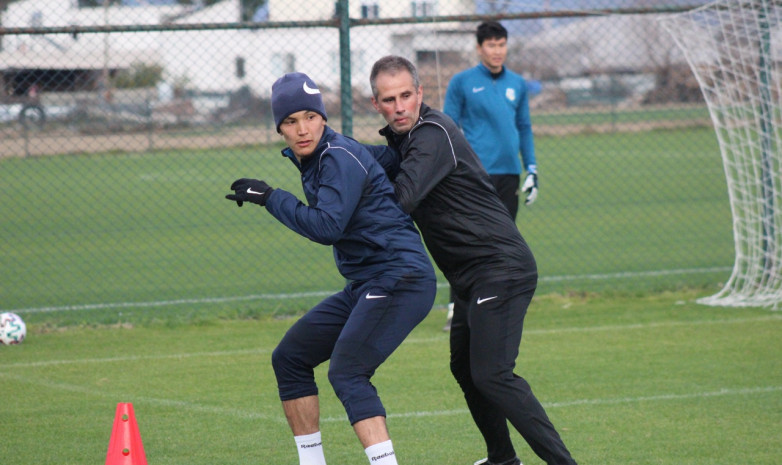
{"x":42,"y":143}
{"x":65,"y":142}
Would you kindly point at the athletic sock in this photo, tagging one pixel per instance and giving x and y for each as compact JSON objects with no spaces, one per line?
{"x":310,"y":449}
{"x":381,"y":453}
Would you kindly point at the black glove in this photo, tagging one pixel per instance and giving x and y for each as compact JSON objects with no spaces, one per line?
{"x":530,"y":187}
{"x":249,"y":190}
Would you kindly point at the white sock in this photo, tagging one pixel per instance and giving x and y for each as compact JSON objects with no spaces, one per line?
{"x":310,"y":449}
{"x":381,"y":453}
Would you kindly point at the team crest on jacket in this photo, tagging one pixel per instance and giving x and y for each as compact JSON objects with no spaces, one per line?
{"x":510,"y":94}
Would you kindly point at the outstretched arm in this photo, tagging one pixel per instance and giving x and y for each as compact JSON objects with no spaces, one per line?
{"x":340,"y":184}
{"x":527,"y":148}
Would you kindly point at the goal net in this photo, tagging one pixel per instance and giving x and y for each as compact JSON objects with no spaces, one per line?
{"x":734,"y":48}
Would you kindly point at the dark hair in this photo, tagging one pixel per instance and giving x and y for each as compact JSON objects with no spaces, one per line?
{"x":490,"y":30}
{"x":392,"y":64}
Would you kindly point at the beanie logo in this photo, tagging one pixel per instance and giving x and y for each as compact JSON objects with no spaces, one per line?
{"x":310,"y":90}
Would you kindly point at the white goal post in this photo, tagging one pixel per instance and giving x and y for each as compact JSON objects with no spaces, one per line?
{"x":734,"y":48}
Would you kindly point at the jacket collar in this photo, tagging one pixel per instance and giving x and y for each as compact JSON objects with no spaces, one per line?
{"x":488,"y":72}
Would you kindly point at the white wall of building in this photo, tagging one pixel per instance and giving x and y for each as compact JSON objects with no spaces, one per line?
{"x":312,"y":10}
{"x":60,"y":13}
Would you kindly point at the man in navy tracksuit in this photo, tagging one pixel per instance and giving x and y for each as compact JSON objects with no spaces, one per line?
{"x":475,"y":243}
{"x":491,"y":105}
{"x":352,"y":207}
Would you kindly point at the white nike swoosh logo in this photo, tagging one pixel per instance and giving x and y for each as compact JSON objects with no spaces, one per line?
{"x":480,"y":301}
{"x":251,"y":191}
{"x":310,"y":90}
{"x":475,"y":90}
{"x":370,"y":296}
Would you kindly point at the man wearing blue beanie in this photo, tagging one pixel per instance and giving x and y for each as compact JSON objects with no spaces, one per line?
{"x":295,"y":92}
{"x":352,"y":207}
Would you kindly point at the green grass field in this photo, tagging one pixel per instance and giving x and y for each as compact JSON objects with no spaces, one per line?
{"x":601,"y":116}
{"x":140,"y":283}
{"x":627,"y":380}
{"x":116,"y":237}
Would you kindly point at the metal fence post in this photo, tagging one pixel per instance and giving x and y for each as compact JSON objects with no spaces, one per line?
{"x":346,"y":93}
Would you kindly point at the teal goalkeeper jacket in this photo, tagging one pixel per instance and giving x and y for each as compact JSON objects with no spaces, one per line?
{"x":493,"y":113}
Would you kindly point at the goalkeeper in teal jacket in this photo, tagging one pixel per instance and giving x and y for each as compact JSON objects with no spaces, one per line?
{"x":491,"y":105}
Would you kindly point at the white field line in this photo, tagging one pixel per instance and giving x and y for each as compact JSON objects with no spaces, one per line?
{"x":137,"y":358}
{"x":298,"y":295}
{"x":13,"y":375}
{"x":278,"y":418}
{"x":184,"y":405}
{"x":598,"y":402}
{"x":411,"y":340}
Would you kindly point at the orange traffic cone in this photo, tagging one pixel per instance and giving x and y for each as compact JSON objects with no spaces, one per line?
{"x":125,"y":444}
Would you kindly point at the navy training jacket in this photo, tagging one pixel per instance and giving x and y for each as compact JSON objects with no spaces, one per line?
{"x":352,"y":207}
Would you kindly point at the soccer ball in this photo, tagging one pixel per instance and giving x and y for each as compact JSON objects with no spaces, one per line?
{"x":12,"y":329}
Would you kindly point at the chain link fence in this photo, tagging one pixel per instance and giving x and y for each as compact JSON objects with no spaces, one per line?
{"x":123,"y":123}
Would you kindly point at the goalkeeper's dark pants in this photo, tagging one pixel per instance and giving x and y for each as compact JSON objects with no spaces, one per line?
{"x":485,"y":337}
{"x":507,"y":187}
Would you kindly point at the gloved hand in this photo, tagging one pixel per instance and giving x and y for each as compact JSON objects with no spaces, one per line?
{"x":530,"y":187}
{"x":249,"y":190}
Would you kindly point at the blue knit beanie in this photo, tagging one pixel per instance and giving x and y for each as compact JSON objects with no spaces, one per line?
{"x":295,"y":92}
